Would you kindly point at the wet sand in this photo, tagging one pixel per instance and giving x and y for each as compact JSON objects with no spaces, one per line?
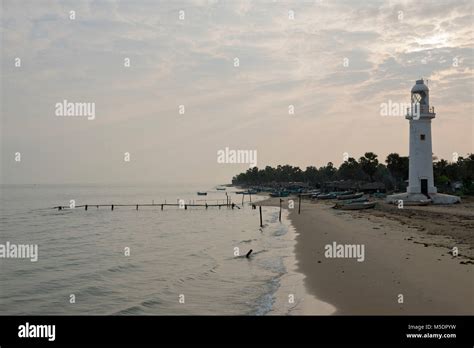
{"x":407,"y":252}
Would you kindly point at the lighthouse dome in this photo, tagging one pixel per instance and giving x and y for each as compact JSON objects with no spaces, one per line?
{"x":419,"y":87}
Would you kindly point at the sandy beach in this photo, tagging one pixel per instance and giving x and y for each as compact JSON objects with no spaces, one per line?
{"x":407,"y":252}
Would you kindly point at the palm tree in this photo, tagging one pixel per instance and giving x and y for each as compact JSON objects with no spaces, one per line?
{"x":398,"y":167}
{"x":369,"y":164}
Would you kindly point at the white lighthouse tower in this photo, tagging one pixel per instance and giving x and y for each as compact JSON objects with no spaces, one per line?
{"x":421,"y":161}
{"x":420,"y":171}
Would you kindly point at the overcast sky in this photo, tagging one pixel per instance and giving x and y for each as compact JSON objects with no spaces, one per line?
{"x":336,"y":62}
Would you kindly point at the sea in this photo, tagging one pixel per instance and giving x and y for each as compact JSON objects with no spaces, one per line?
{"x":147,"y":261}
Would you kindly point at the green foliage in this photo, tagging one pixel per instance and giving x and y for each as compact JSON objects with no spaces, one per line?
{"x":351,"y":169}
{"x":369,"y":163}
{"x":398,"y":169}
{"x":442,"y":181}
{"x":393,"y":174}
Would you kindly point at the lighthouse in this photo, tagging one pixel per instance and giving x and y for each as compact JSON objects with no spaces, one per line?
{"x":420,"y":114}
{"x":420,"y":169}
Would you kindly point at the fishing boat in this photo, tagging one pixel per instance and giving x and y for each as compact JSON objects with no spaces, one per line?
{"x":248,"y":192}
{"x":202,"y":193}
{"x":350,"y":196}
{"x":295,"y":190}
{"x":355,"y":206}
{"x":355,"y":200}
{"x":342,"y":193}
{"x":379,"y":195}
{"x":326,"y":196}
{"x":279,"y":194}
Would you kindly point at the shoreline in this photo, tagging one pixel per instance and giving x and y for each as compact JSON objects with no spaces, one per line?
{"x":400,"y":259}
{"x":292,"y":296}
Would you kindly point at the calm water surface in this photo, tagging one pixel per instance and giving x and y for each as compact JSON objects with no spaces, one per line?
{"x":172,"y":253}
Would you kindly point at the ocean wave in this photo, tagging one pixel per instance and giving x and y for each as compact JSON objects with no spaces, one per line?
{"x":133,"y":310}
{"x":264,"y":303}
{"x":151,"y":303}
{"x":122,"y":268}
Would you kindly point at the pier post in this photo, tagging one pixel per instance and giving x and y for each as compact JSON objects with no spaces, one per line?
{"x":261,"y":224}
{"x":162,"y":207}
{"x":299,"y":205}
{"x":112,"y":207}
{"x":137,"y":206}
{"x":85,"y":207}
{"x":279,"y":216}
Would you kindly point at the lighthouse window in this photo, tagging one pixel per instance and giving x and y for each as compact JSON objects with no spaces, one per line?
{"x":422,"y":137}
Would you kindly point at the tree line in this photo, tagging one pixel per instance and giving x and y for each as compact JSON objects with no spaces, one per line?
{"x":393,"y":173}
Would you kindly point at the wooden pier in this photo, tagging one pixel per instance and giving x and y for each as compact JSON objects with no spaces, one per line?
{"x":136,"y":206}
{"x":182,"y":206}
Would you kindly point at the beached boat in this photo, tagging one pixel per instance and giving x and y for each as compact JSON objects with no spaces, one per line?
{"x":379,"y":195}
{"x":326,"y":196}
{"x":355,"y":200}
{"x":220,"y":188}
{"x":355,"y":206}
{"x":279,"y":194}
{"x":342,"y":193}
{"x":202,"y":193}
{"x":295,"y":190}
{"x":350,"y":196}
{"x":248,"y":192}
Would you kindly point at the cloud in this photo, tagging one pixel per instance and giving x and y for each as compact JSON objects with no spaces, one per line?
{"x":283,"y":62}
